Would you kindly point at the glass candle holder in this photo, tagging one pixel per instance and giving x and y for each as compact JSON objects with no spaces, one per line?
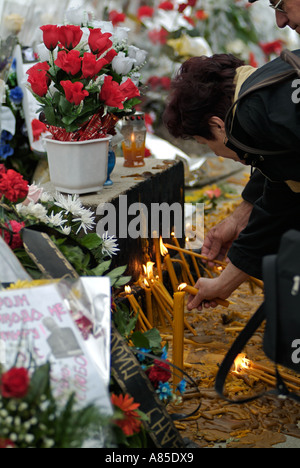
{"x":133,"y":146}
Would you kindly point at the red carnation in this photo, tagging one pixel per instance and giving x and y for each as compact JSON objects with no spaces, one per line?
{"x":99,"y":42}
{"x":14,"y":383}
{"x":13,"y":186}
{"x":160,"y":372}
{"x":6,"y":443}
{"x":50,"y":36}
{"x":70,"y":36}
{"x":111,"y":94}
{"x":74,"y":92}
{"x":14,"y":240}
{"x":70,"y":62}
{"x":91,"y":66}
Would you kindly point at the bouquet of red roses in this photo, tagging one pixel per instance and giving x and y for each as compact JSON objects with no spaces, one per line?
{"x":90,"y":79}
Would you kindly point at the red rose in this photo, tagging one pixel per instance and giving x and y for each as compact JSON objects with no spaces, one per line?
{"x":14,"y":383}
{"x":13,"y":186}
{"x":74,"y":92}
{"x":165,"y":82}
{"x":38,"y":78}
{"x":70,"y":62}
{"x":158,"y":36}
{"x":129,"y":89}
{"x":91,"y":66}
{"x":160,"y":372}
{"x":13,"y":240}
{"x":50,"y":36}
{"x":38,"y":128}
{"x":168,"y":6}
{"x":111,"y":54}
{"x":99,"y":42}
{"x":115,"y":17}
{"x":111,"y":94}
{"x":70,"y":36}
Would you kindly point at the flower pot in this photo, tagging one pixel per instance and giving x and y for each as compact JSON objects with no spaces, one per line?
{"x":78,"y":167}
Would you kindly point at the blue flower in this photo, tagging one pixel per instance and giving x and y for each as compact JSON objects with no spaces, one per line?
{"x":16,"y":95}
{"x":141,"y":357}
{"x":6,"y":136}
{"x":5,"y":151}
{"x":164,"y":353}
{"x":181,"y":386}
{"x":164,"y":391}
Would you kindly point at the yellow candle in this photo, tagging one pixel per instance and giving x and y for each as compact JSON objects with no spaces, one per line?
{"x":144,"y":322}
{"x":171,"y":271}
{"x":178,"y":337}
{"x":185,"y":263}
{"x":148,"y":297}
{"x":156,"y":243}
{"x":194,"y":291}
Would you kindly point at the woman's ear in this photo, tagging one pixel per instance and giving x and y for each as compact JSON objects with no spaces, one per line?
{"x":217,"y":123}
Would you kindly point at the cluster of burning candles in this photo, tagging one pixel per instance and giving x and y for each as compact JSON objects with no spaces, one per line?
{"x":244,"y":367}
{"x":159,"y":301}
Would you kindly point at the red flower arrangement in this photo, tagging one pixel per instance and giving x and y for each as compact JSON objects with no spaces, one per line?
{"x":80,"y":87}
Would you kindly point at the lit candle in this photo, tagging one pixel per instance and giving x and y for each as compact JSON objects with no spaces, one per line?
{"x":178,"y":337}
{"x":194,"y":291}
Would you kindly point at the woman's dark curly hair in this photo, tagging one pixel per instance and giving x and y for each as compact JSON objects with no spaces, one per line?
{"x":202,"y":88}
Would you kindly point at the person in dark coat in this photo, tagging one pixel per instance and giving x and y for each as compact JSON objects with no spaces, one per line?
{"x":267,"y":119}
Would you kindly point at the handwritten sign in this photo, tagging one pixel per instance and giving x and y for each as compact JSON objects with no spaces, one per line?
{"x":39,"y":321}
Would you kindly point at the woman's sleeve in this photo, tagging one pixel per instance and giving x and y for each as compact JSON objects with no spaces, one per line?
{"x":273,"y":214}
{"x":254,"y":188}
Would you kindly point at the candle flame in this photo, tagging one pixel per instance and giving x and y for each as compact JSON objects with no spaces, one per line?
{"x":132,"y":138}
{"x":163,"y":248}
{"x":148,"y":270}
{"x":182,"y":286}
{"x":146,"y":283}
{"x":240,"y":363}
{"x":128,"y":289}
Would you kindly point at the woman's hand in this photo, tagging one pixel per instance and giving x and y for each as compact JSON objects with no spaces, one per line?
{"x":221,"y":287}
{"x":220,"y":237}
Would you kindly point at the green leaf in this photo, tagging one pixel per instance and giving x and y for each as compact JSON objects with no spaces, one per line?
{"x":140,"y":340}
{"x":101,"y":268}
{"x":91,"y":241}
{"x":154,"y":338}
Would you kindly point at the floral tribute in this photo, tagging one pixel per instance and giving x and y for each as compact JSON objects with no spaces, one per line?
{"x":88,"y":78}
{"x":64,"y":217}
{"x":31,"y":416}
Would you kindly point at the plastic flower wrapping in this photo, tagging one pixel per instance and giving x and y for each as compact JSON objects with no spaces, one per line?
{"x":55,"y":365}
{"x":88,"y":77}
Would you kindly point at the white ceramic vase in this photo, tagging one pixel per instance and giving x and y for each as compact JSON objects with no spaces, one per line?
{"x":78,"y":167}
